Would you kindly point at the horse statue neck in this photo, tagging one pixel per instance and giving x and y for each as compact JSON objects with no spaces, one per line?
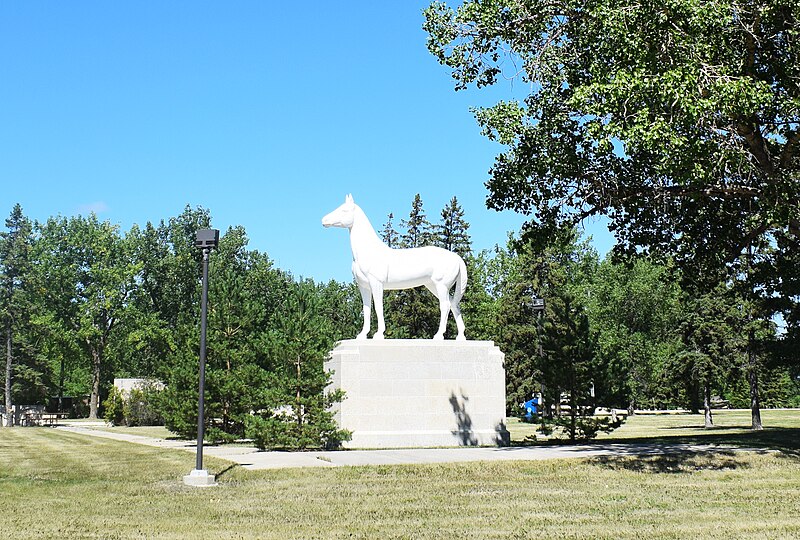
{"x":363,"y":238}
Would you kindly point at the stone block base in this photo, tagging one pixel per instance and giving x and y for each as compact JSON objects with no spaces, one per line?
{"x":199,"y":478}
{"x":420,"y":393}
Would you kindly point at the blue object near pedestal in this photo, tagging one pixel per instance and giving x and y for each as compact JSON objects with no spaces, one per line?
{"x":531,"y":408}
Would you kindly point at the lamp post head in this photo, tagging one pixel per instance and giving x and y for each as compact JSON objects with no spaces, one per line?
{"x":537,"y":304}
{"x":206,"y":238}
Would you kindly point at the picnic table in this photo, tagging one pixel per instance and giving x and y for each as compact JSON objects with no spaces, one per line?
{"x":51,"y":419}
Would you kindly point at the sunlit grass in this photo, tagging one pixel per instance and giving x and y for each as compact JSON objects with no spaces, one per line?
{"x":56,"y":484}
{"x":781,"y":429}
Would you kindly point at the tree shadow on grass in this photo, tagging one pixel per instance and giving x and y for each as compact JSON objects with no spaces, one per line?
{"x":785,"y":440}
{"x":677,"y":463}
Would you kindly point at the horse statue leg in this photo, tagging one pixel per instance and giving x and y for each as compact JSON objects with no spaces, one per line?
{"x":366,"y":301}
{"x":456,"y":309}
{"x":455,"y":300}
{"x":443,"y":294}
{"x":377,"y":295}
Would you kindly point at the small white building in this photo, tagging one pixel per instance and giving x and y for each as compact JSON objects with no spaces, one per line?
{"x":126,"y":385}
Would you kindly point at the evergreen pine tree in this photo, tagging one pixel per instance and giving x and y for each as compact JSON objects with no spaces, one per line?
{"x":295,"y":411}
{"x":23,"y":377}
{"x":388,"y":234}
{"x":451,"y":233}
{"x":418,"y":228}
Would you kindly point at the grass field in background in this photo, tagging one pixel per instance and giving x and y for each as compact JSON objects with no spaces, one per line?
{"x":781,"y":429}
{"x":56,"y":484}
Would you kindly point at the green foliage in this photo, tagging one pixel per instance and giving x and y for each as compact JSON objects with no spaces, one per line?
{"x":575,"y":428}
{"x":296,"y":413}
{"x":143,"y":406}
{"x":114,"y":407}
{"x":679,"y":122}
{"x":180,"y":397}
{"x":551,"y":351}
{"x":25,"y":377}
{"x":86,"y":274}
{"x":634,"y":309}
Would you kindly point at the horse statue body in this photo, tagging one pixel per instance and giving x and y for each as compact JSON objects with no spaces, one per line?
{"x":377,"y":267}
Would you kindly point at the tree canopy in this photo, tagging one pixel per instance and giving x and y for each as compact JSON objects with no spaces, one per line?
{"x":678,"y":120}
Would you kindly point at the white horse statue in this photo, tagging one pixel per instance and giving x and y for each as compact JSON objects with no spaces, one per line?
{"x":377,"y":267}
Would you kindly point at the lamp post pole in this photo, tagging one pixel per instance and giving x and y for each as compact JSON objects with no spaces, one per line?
{"x":538,"y":306}
{"x":206,"y":239}
{"x":202,"y":389}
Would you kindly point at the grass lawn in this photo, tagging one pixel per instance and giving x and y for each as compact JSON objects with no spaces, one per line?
{"x":781,"y":429}
{"x":55,"y":484}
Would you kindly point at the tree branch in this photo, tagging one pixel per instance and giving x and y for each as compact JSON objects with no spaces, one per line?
{"x":788,"y":149}
{"x":756,"y":145}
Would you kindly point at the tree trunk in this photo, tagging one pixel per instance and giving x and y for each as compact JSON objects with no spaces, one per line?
{"x":752,"y":375}
{"x":755,"y":401}
{"x":298,"y":403}
{"x":558,"y":403}
{"x":545,"y":405}
{"x":573,"y":411}
{"x":694,"y":392}
{"x":709,"y":421}
{"x":61,"y":386}
{"x":94,"y":399}
{"x":9,"y":364}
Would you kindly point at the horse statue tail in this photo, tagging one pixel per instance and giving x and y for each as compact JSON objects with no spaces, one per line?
{"x":461,"y":282}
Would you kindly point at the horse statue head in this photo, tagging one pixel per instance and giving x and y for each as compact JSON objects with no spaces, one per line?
{"x":343,"y":216}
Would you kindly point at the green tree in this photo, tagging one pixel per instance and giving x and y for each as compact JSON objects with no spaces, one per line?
{"x":451,"y":233}
{"x":295,"y":410}
{"x":551,"y":351}
{"x":162,"y":314}
{"x":388,"y":233}
{"x":244,"y":293}
{"x":634,"y":311}
{"x":680,"y":122}
{"x":22,"y":378}
{"x":87,"y":271}
{"x":711,"y":342}
{"x":418,"y":231}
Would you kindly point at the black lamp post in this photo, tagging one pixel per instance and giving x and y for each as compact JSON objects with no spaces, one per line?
{"x":537,"y":306}
{"x":206,"y":239}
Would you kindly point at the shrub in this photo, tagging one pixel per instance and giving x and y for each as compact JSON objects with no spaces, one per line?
{"x":281,"y":429}
{"x":143,"y":406}
{"x":114,"y":407}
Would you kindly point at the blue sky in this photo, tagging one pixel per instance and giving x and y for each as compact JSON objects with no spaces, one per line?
{"x":266,"y":113}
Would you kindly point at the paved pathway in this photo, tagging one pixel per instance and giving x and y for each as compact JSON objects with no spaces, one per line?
{"x":252,"y":458}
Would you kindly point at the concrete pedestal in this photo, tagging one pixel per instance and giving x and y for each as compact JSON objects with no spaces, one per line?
{"x":420,"y":393}
{"x":199,"y":478}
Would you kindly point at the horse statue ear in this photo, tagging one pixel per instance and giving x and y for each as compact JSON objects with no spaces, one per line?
{"x":349,"y":198}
